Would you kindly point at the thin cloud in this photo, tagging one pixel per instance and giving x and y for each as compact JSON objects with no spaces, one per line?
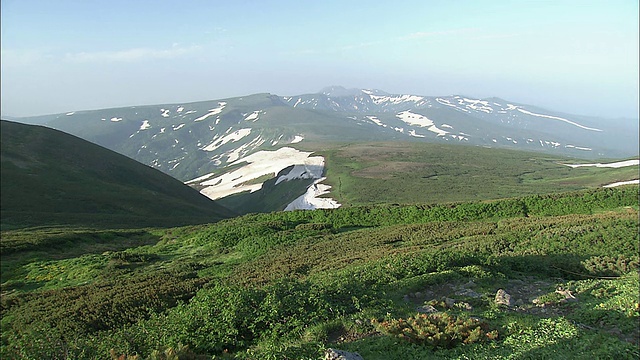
{"x":428,"y":34}
{"x":409,"y":37}
{"x":12,"y":57}
{"x":132,"y":55}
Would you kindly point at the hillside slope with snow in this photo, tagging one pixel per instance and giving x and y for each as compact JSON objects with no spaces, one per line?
{"x":213,"y":145}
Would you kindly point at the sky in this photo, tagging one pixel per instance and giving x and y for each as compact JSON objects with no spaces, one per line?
{"x":578,"y":57}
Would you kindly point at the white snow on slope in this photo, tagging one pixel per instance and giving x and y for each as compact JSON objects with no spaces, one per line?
{"x":578,"y":147}
{"x":397,"y":99}
{"x":165,"y":112}
{"x":310,"y":199}
{"x":448,"y":103}
{"x":297,"y":139}
{"x":556,"y":118}
{"x":178,"y":127}
{"x":312,"y":168}
{"x":180,"y":109}
{"x":145,"y":125}
{"x":212,"y":112}
{"x":414,"y":134}
{"x":616,"y":165}
{"x":235,"y":154}
{"x":233,"y":137}
{"x":376,"y":121}
{"x":620,"y":183}
{"x":257,"y":164}
{"x":479,"y":105}
{"x":116,"y":119}
{"x":253,"y":116}
{"x":420,"y":120}
{"x":71,"y":113}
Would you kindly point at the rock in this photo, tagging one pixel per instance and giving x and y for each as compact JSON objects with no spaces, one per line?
{"x":406,"y":298}
{"x":418,"y":294}
{"x":503,"y":298}
{"x":426,"y":309}
{"x":335,"y":354}
{"x":519,"y":302}
{"x":449,"y":302}
{"x":468,"y":293}
{"x":568,"y":296}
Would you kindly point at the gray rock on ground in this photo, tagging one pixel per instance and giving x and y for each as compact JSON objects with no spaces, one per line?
{"x":335,"y":354}
{"x":503,"y":298}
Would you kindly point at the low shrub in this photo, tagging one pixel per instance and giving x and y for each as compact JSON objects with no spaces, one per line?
{"x":440,"y":330}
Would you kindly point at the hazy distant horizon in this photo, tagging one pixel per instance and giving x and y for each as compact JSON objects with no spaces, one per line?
{"x":578,"y":57}
{"x":3,"y":115}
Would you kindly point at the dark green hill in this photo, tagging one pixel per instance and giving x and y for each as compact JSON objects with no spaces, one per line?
{"x":53,"y":178}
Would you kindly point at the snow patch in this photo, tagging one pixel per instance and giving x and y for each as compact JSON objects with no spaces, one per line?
{"x":244,"y":149}
{"x":311,"y":200}
{"x":71,"y":113}
{"x":145,"y":125}
{"x":297,"y":139}
{"x":178,"y":127}
{"x":556,"y":118}
{"x":397,"y":99}
{"x":615,"y":165}
{"x":233,"y":137}
{"x":420,"y":120}
{"x":311,"y":169}
{"x":578,"y":147}
{"x":212,"y":112}
{"x":620,"y":183}
{"x":116,"y":119}
{"x":253,"y":116}
{"x":180,"y":109}
{"x":376,"y":121}
{"x":479,"y":105}
{"x":257,"y":165}
{"x":165,"y":112}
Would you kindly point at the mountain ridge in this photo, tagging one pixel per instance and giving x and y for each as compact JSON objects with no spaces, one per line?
{"x":53,"y":178}
{"x":209,"y":139}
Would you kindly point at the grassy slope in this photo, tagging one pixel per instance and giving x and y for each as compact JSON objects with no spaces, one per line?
{"x":409,"y":173}
{"x":52,"y":178}
{"x":287,"y":285}
{"x":415,"y":172}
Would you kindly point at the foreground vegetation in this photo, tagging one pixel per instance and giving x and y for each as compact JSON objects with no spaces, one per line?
{"x":387,"y":281}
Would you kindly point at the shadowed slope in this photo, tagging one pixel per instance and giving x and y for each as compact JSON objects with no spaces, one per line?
{"x":53,"y":178}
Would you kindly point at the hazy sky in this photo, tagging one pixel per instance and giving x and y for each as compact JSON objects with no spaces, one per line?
{"x":573,"y":56}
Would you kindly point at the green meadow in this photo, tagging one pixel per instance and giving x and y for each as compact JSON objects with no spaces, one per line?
{"x":389,"y":281}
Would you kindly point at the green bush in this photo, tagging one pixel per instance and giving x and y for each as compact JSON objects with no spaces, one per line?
{"x":440,"y":330}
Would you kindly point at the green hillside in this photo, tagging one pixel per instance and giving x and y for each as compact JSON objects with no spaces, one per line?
{"x":423,"y":173}
{"x":387,"y":281}
{"x":52,"y":178}
{"x":434,"y":173}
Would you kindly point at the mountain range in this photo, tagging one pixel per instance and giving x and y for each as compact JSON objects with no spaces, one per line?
{"x":246,"y":144}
